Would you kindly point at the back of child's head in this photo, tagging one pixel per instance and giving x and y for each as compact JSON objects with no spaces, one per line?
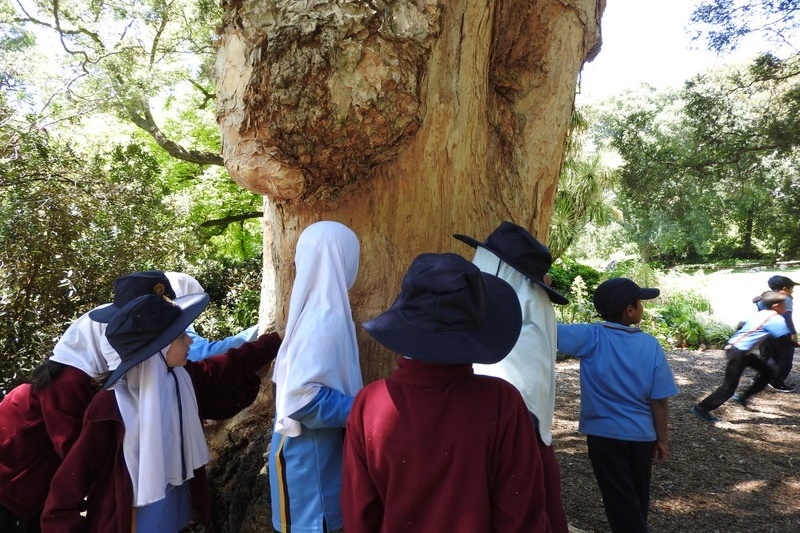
{"x":777,"y":283}
{"x":770,"y":298}
{"x":614,"y":295}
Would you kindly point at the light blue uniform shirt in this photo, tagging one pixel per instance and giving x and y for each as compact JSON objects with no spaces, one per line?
{"x":763,"y":324}
{"x":203,"y":348}
{"x":622,"y":369}
{"x":305,"y":472}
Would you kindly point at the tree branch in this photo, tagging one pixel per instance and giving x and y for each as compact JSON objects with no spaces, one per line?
{"x":231,"y":219}
{"x":143,"y":118}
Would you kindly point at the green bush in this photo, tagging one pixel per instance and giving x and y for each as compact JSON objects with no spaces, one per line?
{"x":676,"y":320}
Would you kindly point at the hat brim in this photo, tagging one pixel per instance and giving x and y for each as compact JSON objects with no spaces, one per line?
{"x":554,"y":295}
{"x":191,"y":307}
{"x":103,"y":313}
{"x":486,"y":344}
{"x":648,"y":293}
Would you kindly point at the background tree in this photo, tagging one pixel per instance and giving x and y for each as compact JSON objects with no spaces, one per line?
{"x":585,"y":192}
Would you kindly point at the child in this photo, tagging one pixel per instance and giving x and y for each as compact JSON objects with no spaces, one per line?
{"x":768,"y":322}
{"x":625,"y":385}
{"x":202,"y":348}
{"x":40,"y":420}
{"x":317,"y":374}
{"x":434,"y":447}
{"x":515,"y":256}
{"x":780,"y":354}
{"x":139,"y":462}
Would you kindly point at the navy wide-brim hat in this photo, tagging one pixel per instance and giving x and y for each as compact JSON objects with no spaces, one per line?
{"x":148,"y":324}
{"x":131,"y":286}
{"x":517,"y":247}
{"x":450,"y":312}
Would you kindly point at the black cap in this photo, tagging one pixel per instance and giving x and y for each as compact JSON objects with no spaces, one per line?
{"x":614,"y":295}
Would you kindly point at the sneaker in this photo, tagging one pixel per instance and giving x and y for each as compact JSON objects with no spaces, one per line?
{"x":783,"y":387}
{"x":744,"y":402}
{"x":701,"y":413}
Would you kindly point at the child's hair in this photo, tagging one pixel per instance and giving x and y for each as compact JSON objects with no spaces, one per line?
{"x":45,"y":374}
{"x":777,"y":283}
{"x":770,"y":298}
{"x":615,"y":317}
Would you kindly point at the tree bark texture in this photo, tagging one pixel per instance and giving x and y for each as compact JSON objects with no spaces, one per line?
{"x":406,"y":120}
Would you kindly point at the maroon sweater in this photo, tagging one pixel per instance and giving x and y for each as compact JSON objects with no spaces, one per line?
{"x":37,"y":429}
{"x":95,"y":468}
{"x":436,"y":448}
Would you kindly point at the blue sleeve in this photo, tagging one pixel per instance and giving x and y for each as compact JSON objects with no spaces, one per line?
{"x":789,"y":322}
{"x":328,"y":409}
{"x":203,"y":348}
{"x":776,"y":327}
{"x":576,"y":340}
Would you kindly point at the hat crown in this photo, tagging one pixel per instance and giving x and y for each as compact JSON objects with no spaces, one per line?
{"x":516,"y":246}
{"x":138,"y":323}
{"x":131,"y":286}
{"x":442,"y":292}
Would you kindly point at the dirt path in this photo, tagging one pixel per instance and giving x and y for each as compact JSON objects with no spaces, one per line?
{"x":738,"y":476}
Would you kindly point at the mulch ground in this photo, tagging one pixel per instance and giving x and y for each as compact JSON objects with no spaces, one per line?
{"x":738,"y":475}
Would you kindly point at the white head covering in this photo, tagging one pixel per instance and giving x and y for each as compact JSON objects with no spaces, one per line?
{"x":319,"y":348}
{"x":183,"y":284}
{"x":148,"y":402}
{"x":531,"y":365}
{"x":84,"y":346}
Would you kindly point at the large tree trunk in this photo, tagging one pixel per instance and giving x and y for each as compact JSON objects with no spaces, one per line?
{"x":406,"y":120}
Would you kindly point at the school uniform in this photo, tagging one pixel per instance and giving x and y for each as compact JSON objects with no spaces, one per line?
{"x":317,"y":374}
{"x":622,"y":369}
{"x":755,"y":330}
{"x":437,"y":448}
{"x":99,"y":467}
{"x":37,"y":429}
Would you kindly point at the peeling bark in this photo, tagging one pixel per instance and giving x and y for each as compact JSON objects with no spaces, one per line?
{"x":408,"y":121}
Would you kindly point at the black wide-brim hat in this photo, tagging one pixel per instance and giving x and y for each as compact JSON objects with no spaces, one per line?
{"x":517,"y":247}
{"x":148,"y":324}
{"x":450,"y":312}
{"x":131,"y":286}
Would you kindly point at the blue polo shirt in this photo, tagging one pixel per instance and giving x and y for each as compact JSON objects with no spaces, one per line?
{"x":622,"y":369}
{"x":763,"y":324}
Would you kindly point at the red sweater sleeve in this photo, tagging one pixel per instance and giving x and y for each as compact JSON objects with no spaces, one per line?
{"x":63,"y":404}
{"x":227,"y":383}
{"x":89,"y":466}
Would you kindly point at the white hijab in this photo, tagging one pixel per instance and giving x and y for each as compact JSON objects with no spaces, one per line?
{"x":531,"y":365}
{"x":84,"y":346}
{"x":319,"y":348}
{"x":183,"y":284}
{"x":148,"y":403}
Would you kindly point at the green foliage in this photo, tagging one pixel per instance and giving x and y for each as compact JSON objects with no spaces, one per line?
{"x":69,"y":225}
{"x":684,"y":320}
{"x":235,"y":291}
{"x":703,"y":172}
{"x":584,"y":192}
{"x":681,"y":319}
{"x":564,"y":271}
{"x":725,"y":22}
